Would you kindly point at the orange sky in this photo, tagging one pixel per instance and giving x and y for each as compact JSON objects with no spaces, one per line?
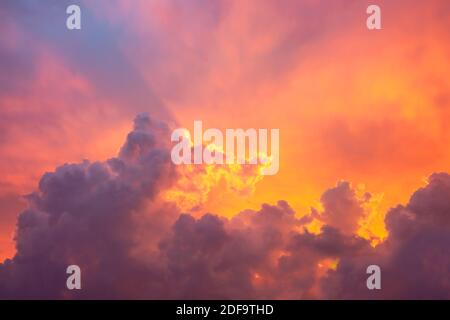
{"x":369,"y":107}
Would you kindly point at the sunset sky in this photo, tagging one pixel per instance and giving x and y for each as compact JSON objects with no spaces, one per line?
{"x":361,"y":111}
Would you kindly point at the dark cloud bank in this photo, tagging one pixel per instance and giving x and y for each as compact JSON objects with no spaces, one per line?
{"x":107,"y":218}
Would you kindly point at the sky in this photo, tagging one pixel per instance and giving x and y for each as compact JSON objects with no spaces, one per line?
{"x":86,"y":116}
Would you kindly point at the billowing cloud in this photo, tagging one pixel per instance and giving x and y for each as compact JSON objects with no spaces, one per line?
{"x":341,"y":208}
{"x":90,"y":213}
{"x":112,"y":220}
{"x":414,"y":259}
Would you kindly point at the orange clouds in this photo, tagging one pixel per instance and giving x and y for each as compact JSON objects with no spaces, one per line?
{"x":368,"y":107}
{"x":114,"y":215}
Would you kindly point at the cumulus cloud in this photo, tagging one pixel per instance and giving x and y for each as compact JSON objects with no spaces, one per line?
{"x":342,"y":208}
{"x":414,"y":259}
{"x":111,"y":219}
{"x":89,"y":214}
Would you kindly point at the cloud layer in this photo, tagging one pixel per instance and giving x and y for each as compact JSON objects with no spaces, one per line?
{"x":310,"y":68}
{"x":112,"y":220}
